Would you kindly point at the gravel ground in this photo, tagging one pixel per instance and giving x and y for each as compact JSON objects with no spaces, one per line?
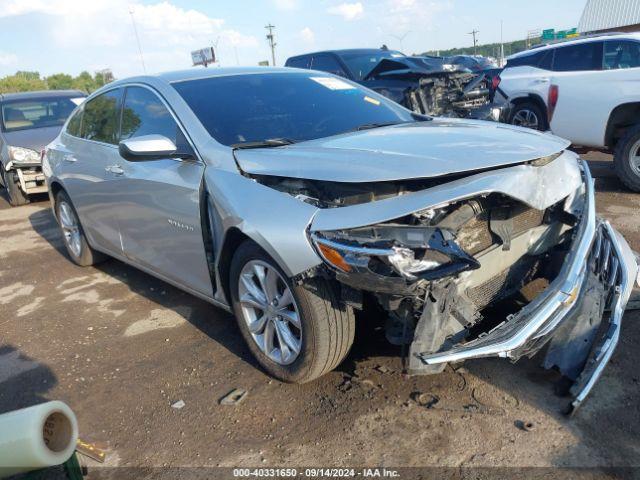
{"x":121,"y":347}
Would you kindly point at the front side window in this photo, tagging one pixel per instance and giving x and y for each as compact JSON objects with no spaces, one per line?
{"x":619,"y":54}
{"x":297,"y":106}
{"x":580,"y":57}
{"x":100,"y":120}
{"x":326,"y":63}
{"x":143,"y":113}
{"x":75,"y":123}
{"x":37,"y":113}
{"x":360,"y":64}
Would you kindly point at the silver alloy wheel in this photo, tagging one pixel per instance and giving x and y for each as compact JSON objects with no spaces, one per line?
{"x":70,"y":228}
{"x":270,"y":312}
{"x":634,"y":157}
{"x":526,"y":118}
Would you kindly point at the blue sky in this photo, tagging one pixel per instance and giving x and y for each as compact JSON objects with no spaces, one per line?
{"x":73,"y":35}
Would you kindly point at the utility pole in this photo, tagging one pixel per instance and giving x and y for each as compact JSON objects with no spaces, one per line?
{"x":475,"y":41}
{"x":272,"y":43}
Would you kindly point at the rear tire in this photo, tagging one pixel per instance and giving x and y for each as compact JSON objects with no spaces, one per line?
{"x":529,"y":115}
{"x":74,"y":237}
{"x":326,"y":330}
{"x":16,"y":196}
{"x":626,"y":158}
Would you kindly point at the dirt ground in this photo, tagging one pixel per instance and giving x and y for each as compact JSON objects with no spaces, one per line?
{"x":121,"y":347}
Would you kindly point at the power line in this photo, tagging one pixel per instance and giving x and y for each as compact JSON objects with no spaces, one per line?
{"x":475,"y":40}
{"x":272,"y":43}
{"x":135,"y":30}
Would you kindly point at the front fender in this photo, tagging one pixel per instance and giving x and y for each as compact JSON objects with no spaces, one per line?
{"x":274,"y":220}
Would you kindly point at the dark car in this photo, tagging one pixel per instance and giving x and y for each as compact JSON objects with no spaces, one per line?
{"x":30,"y":120}
{"x":424,"y":84}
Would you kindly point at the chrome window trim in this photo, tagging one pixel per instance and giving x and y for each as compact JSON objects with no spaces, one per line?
{"x":123,"y":86}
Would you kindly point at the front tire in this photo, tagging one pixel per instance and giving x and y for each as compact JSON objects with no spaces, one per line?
{"x":529,"y":115}
{"x":296,"y":332}
{"x":16,"y":196}
{"x":74,"y":237}
{"x":626,"y":158}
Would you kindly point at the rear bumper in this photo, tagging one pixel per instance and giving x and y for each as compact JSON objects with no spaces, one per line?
{"x":598,"y":252}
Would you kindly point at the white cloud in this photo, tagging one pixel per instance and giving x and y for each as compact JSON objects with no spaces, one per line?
{"x":104,"y":29}
{"x":348,"y":11}
{"x":7,"y":59}
{"x":307,"y":35}
{"x":285,"y":5}
{"x":409,"y":15}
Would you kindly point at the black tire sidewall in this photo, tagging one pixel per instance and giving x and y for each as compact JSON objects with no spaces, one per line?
{"x":16,"y":196}
{"x":298,"y":369}
{"x":622,"y":159}
{"x":85,"y":257}
{"x":542,"y":122}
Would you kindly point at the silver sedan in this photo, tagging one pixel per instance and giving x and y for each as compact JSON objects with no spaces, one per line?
{"x":296,"y":198}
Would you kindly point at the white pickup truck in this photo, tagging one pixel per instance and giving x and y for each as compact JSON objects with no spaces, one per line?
{"x":586,"y":90}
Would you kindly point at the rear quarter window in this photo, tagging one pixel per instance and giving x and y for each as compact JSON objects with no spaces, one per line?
{"x":299,"y":62}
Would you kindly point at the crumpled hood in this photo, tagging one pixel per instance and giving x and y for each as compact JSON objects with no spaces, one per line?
{"x":419,"y":150}
{"x":33,"y":138}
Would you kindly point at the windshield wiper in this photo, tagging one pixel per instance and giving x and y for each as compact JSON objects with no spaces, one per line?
{"x":269,"y":142}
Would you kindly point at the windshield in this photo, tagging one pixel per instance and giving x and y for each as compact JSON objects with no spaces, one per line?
{"x":294,"y":106}
{"x":360,"y":64}
{"x":37,"y":112}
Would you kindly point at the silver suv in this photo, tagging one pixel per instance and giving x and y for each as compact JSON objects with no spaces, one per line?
{"x":295,"y":198}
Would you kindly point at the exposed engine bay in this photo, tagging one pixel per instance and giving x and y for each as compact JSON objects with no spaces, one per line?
{"x":452,"y":94}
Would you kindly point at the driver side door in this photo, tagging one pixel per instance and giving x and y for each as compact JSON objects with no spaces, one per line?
{"x":159,"y":200}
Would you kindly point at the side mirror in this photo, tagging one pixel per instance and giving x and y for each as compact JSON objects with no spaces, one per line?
{"x":147,"y":147}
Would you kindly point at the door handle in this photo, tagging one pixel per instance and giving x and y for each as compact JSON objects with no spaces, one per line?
{"x":115,"y":169}
{"x":69,"y":158}
{"x":541,"y":80}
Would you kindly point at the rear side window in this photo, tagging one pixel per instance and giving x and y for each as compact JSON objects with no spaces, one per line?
{"x":143,"y":113}
{"x":619,"y":54}
{"x":299,"y":62}
{"x":73,"y":127}
{"x":100,"y":120}
{"x":540,"y":59}
{"x":581,"y":57}
{"x":326,"y":63}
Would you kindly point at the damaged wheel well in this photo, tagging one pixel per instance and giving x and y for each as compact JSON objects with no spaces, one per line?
{"x":232,"y":241}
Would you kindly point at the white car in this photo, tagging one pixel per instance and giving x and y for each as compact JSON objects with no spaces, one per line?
{"x":586,"y":90}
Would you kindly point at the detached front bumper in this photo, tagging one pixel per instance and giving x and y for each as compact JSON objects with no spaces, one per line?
{"x":599,"y":259}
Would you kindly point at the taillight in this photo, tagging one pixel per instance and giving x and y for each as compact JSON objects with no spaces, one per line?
{"x":495,"y":81}
{"x":552,"y":100}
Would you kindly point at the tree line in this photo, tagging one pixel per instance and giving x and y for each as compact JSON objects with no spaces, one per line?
{"x":489,"y":49}
{"x":24,"y":81}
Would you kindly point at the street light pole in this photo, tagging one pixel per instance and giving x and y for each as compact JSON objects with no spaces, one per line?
{"x":272,"y":43}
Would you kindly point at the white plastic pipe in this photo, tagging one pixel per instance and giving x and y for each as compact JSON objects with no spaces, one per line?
{"x":36,"y":437}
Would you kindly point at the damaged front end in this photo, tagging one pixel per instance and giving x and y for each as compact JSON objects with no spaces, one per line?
{"x":493,"y":265}
{"x":444,"y":93}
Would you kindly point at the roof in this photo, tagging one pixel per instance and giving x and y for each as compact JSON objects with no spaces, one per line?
{"x":41,"y":94}
{"x":198,"y":73}
{"x":609,"y":14}
{"x":574,"y":41}
{"x":347,"y":51}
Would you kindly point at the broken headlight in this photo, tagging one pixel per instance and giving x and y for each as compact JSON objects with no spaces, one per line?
{"x":23,"y":155}
{"x":409,"y":252}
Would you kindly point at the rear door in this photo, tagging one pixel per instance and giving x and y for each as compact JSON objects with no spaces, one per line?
{"x":158,"y":204}
{"x":526,"y":75}
{"x":85,"y":156}
{"x":592,"y":81}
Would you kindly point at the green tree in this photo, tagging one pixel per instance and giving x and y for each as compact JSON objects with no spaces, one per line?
{"x":84,"y":82}
{"x":22,"y":82}
{"x":59,"y":81}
